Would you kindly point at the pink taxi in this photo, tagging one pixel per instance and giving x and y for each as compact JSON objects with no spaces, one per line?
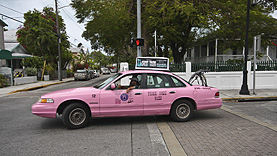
{"x":156,"y":93}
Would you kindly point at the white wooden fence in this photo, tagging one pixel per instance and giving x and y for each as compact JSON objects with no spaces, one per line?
{"x":233,"y":80}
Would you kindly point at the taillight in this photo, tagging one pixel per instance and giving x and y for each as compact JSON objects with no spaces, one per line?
{"x":216,"y":95}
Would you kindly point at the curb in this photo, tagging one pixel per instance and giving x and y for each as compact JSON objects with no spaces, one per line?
{"x":250,"y":99}
{"x":37,"y":87}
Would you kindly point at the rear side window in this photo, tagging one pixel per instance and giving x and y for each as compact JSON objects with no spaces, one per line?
{"x":157,"y":81}
{"x":177,"y":82}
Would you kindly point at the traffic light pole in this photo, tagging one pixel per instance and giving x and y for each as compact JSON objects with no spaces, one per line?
{"x":138,"y":26}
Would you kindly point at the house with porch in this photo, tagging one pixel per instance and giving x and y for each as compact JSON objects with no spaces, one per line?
{"x":17,"y":50}
{"x":212,"y":51}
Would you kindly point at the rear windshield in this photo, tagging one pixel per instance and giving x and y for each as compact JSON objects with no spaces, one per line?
{"x":182,"y":79}
{"x":81,"y":71}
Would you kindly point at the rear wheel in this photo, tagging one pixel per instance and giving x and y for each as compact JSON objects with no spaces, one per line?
{"x":75,"y":116}
{"x":181,"y":110}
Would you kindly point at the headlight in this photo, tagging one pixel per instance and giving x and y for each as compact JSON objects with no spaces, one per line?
{"x":43,"y":100}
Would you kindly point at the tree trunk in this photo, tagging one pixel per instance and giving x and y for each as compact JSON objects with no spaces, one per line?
{"x":178,"y":56}
{"x":159,"y":51}
{"x":165,"y":51}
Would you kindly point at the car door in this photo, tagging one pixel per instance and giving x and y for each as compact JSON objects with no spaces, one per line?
{"x":119,"y":103}
{"x":158,"y":94}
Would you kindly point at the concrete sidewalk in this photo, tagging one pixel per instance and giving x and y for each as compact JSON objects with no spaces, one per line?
{"x":261,"y":94}
{"x":31,"y":86}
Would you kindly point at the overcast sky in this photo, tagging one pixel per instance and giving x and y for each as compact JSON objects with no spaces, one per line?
{"x":74,"y":30}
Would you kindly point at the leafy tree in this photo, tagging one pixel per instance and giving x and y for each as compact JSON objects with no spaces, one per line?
{"x":33,"y":62}
{"x":110,"y":24}
{"x":227,"y":21}
{"x":39,"y":35}
{"x":179,"y":23}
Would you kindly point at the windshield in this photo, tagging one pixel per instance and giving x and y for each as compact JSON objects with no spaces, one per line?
{"x":106,"y":82}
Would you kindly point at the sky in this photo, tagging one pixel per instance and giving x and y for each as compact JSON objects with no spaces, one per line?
{"x":17,"y":8}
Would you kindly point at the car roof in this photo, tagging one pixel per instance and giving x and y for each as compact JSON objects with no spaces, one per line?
{"x":81,"y":70}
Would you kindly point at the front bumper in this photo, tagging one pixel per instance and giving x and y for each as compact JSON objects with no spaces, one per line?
{"x":47,"y":110}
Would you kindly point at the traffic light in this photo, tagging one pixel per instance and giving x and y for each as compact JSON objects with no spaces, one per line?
{"x":139,"y":41}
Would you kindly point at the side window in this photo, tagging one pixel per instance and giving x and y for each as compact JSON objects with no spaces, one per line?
{"x":177,"y":82}
{"x":157,"y":81}
{"x":125,"y":82}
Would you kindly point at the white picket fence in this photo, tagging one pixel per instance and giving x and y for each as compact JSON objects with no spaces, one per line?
{"x":233,"y":80}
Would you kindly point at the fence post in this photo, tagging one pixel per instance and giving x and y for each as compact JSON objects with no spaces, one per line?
{"x":249,"y":73}
{"x":188,"y":70}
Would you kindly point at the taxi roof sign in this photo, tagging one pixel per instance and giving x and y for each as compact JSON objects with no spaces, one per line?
{"x":152,"y":63}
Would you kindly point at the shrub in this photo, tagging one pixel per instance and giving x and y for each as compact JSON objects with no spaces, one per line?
{"x":30,"y":71}
{"x":69,"y":72}
{"x":3,"y":81}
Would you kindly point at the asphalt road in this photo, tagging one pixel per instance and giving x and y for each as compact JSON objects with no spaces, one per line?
{"x":23,"y":133}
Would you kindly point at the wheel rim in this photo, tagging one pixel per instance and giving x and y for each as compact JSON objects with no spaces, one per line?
{"x":77,"y":116}
{"x":183,"y":111}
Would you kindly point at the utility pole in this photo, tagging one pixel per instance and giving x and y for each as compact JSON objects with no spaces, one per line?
{"x":59,"y":40}
{"x":138,"y":26}
{"x":244,"y":88}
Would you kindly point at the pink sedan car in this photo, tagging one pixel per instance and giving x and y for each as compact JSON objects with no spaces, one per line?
{"x":155,"y":93}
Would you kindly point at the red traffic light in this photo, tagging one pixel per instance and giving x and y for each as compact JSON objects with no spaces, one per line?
{"x":139,"y":41}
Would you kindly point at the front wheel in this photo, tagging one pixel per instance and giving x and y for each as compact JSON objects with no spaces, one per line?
{"x":181,"y":110}
{"x":75,"y":116}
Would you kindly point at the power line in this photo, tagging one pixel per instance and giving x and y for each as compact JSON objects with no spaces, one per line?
{"x":12,"y":9}
{"x":68,"y":14}
{"x":12,"y":18}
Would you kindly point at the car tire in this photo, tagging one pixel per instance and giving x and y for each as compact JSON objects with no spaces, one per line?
{"x":75,"y":116}
{"x":181,"y":110}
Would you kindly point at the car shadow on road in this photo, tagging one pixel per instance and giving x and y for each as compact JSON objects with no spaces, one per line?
{"x":126,"y":121}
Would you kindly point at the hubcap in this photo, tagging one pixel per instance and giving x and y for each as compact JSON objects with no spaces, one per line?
{"x":77,"y":116}
{"x":183,"y":111}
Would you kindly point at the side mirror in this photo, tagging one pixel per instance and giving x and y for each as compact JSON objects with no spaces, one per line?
{"x":112,"y":86}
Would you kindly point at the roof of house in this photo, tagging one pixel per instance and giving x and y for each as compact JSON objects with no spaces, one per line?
{"x":11,"y":46}
{"x":10,"y":36}
{"x":3,"y":23}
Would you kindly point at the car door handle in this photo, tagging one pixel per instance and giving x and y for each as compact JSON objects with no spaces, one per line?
{"x":138,"y":93}
{"x":172,"y":92}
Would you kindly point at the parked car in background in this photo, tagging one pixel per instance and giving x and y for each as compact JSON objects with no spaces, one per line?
{"x":81,"y":75}
{"x":106,"y":71}
{"x":113,"y":70}
{"x":96,"y":73}
{"x":91,"y":74}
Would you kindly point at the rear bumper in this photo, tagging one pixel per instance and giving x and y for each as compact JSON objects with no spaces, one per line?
{"x":210,"y":104}
{"x":80,"y":77}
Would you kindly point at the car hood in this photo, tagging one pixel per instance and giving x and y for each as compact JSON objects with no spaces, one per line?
{"x":71,"y":92}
